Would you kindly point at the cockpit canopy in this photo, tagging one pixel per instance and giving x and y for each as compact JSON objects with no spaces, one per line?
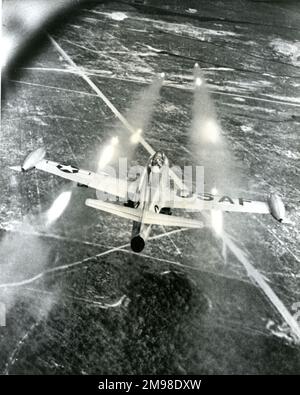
{"x":158,"y":159}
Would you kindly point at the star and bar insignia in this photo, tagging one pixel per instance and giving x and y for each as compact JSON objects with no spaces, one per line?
{"x":67,"y":168}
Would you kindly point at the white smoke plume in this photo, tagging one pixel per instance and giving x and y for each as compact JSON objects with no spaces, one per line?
{"x":208,"y":143}
{"x":139,"y":116}
{"x":24,"y":254}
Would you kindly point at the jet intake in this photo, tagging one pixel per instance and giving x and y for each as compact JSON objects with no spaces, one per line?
{"x":137,"y":243}
{"x":277,"y":208}
{"x":33,"y":158}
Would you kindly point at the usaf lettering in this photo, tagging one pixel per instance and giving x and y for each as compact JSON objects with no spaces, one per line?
{"x":207,"y":197}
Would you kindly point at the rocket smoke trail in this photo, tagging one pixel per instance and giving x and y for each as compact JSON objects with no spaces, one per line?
{"x":209,"y":145}
{"x":140,"y":113}
{"x":125,"y":139}
{"x":139,"y":117}
{"x":22,"y":254}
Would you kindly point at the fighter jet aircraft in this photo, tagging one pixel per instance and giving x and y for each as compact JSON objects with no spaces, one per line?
{"x":150,"y":199}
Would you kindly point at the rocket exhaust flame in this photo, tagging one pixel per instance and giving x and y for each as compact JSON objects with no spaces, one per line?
{"x":108,"y":153}
{"x":135,"y":138}
{"x":58,"y":207}
{"x":216,"y":217}
{"x":217,"y":221}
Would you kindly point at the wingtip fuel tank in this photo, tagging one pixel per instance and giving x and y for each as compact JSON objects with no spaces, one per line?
{"x":277,"y":208}
{"x":33,"y":158}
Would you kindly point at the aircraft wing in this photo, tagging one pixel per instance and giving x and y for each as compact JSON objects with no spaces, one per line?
{"x":168,"y":220}
{"x":222,"y":203}
{"x":149,"y":217}
{"x":102,"y":182}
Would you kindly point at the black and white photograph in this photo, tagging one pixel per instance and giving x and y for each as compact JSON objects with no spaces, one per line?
{"x":150,"y":189}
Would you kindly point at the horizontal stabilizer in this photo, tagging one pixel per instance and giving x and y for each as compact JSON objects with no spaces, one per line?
{"x":147,"y":217}
{"x":16,"y":168}
{"x":121,"y":211}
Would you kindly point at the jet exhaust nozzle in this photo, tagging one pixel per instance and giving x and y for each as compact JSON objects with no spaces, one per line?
{"x":137,"y":244}
{"x":33,"y":158}
{"x":277,"y":208}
